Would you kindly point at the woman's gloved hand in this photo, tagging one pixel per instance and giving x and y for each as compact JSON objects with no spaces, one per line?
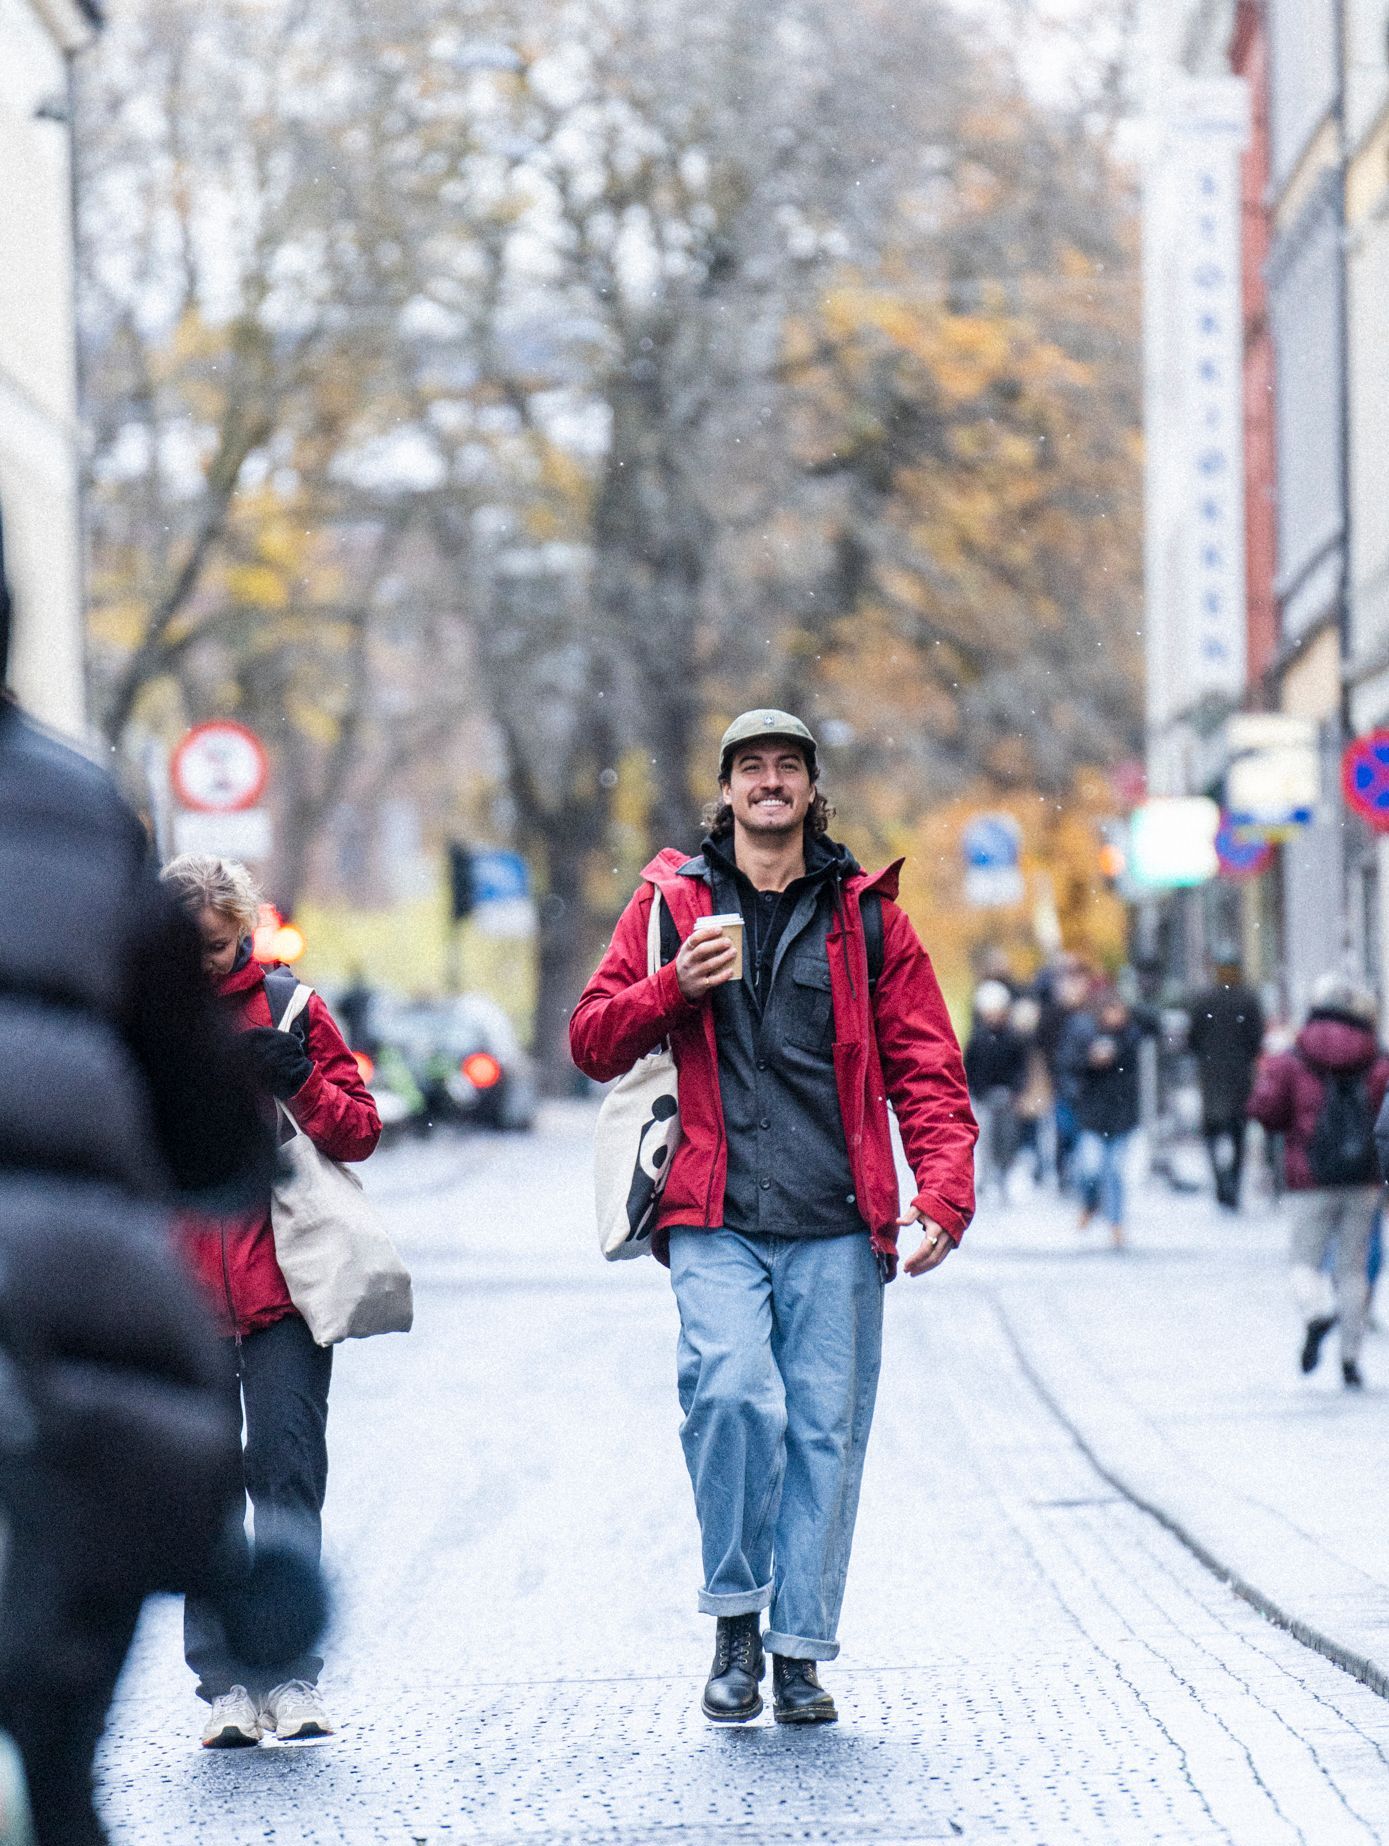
{"x":278,"y":1060}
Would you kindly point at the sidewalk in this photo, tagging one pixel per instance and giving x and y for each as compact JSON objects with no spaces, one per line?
{"x":1175,"y":1365}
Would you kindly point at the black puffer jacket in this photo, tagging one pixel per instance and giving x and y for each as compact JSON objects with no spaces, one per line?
{"x":120,"y":1098}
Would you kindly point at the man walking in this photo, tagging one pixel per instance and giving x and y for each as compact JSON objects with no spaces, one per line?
{"x":1226,"y":1035}
{"x":780,"y":1216}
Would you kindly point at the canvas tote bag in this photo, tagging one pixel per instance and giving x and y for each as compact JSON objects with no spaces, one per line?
{"x":637,"y":1135}
{"x":343,"y":1273}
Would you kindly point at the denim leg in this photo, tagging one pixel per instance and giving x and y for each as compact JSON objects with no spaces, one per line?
{"x":284,"y":1389}
{"x":1111,"y":1189}
{"x":1088,"y":1168}
{"x":827,"y":1323}
{"x":735,"y":1415}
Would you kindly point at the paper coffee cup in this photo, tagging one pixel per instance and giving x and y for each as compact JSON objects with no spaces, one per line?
{"x":730,"y":927}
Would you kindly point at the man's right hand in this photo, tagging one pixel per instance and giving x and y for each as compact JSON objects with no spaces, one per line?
{"x":706,"y":960}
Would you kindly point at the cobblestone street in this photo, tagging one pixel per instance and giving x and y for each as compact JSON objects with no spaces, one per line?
{"x":1028,"y":1657}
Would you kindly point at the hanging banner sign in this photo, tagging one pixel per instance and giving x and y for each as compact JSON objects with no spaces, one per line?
{"x":1273,"y":777}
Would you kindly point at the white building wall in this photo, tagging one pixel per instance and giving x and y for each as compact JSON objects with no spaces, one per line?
{"x":1303,"y":39}
{"x":1367,"y":65}
{"x":38,"y":429}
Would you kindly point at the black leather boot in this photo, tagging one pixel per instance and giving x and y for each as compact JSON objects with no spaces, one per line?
{"x":730,"y":1693}
{"x":799,"y":1698}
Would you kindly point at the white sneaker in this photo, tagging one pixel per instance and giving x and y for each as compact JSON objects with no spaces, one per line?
{"x":294,"y":1711}
{"x":233,"y":1723}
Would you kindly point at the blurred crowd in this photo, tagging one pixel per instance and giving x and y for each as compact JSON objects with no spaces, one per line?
{"x":1067,"y":1067}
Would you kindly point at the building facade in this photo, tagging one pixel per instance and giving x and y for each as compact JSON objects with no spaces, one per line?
{"x":1315,"y":311}
{"x":39,"y":452}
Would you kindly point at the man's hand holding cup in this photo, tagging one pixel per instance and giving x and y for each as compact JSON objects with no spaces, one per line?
{"x":710,"y":956}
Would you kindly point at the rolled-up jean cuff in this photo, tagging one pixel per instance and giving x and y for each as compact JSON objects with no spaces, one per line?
{"x":746,"y":1602}
{"x":797,"y":1647}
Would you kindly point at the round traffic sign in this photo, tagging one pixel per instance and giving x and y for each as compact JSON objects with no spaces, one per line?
{"x":1240,"y":857}
{"x":1365,"y":778}
{"x":219,"y":767}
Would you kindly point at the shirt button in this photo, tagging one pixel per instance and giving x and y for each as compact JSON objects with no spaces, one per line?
{"x":851,"y":1200}
{"x":766,"y":1185}
{"x":766,"y":1122}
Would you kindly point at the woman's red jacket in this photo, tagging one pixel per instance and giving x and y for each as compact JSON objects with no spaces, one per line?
{"x":235,"y":1261}
{"x":897,"y":1043}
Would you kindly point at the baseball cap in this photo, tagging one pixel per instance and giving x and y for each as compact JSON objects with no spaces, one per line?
{"x":765,"y":722}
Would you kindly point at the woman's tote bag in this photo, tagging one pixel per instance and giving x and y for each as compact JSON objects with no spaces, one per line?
{"x":636,"y":1138}
{"x":343,"y":1272}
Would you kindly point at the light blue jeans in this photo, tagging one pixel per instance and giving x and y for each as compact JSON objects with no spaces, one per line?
{"x":780,"y":1343}
{"x":1099,"y":1169}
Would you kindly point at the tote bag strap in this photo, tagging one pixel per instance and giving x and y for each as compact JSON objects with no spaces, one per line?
{"x":292,"y":1009}
{"x":653,"y":933}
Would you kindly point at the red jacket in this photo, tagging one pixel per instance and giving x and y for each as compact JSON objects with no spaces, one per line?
{"x":901,"y":1045}
{"x":235,"y":1261}
{"x":1288,"y":1090}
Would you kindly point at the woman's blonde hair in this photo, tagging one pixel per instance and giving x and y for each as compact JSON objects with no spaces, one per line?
{"x":199,"y":881}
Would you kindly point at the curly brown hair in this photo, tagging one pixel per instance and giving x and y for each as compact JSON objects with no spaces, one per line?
{"x":717,"y":818}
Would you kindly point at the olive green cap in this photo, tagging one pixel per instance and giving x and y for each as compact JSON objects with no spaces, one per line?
{"x":764,"y":722}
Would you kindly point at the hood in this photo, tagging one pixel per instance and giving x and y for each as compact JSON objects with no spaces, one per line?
{"x":242,"y":979}
{"x":1332,"y":1041}
{"x":824,"y":858}
{"x":670,"y":862}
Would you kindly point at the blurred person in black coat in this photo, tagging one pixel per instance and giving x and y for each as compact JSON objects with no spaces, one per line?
{"x":120,"y":1100}
{"x":1226,"y":1034}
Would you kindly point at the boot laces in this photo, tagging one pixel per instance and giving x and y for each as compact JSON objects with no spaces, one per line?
{"x":735,"y":1645}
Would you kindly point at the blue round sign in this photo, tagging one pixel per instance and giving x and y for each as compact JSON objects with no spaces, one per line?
{"x":1239,"y":856}
{"x":1365,"y":778}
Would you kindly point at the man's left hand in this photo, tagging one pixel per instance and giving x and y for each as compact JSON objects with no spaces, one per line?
{"x":934,"y":1248}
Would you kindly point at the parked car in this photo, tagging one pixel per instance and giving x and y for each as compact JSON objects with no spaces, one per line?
{"x":463,"y":1058}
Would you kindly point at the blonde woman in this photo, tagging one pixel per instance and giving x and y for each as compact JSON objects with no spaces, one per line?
{"x":279,"y":1376}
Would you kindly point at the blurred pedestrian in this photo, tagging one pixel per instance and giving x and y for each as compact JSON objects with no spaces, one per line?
{"x":119,"y":1097}
{"x":1323,"y":1097}
{"x":780,"y":1216}
{"x":1226,"y":1034}
{"x":276,"y":1378}
{"x":1064,"y":992}
{"x":1036,"y":1100}
{"x":1100,"y":1055}
{"x":996,"y":1071}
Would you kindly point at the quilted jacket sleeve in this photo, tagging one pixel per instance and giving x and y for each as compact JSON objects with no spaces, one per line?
{"x":334,"y":1107}
{"x":925,"y":1077}
{"x":623,"y":1012}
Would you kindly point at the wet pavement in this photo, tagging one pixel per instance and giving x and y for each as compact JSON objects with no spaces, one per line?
{"x":1028,"y":1657}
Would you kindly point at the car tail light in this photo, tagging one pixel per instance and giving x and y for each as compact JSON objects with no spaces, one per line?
{"x":481,"y":1069}
{"x":366,"y":1065}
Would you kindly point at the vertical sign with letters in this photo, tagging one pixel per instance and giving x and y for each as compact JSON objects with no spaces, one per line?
{"x":1194,"y":393}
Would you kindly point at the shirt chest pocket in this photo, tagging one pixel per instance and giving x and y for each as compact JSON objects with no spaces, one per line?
{"x":808,"y":1015}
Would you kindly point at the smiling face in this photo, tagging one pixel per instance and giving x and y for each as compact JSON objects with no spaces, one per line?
{"x":769,"y":788}
{"x":220,"y":940}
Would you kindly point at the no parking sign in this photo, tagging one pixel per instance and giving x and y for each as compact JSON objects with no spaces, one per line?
{"x":1365,"y":779}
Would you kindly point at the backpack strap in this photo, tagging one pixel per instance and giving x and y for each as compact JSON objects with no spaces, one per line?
{"x":289,"y":1002}
{"x":871,"y":912}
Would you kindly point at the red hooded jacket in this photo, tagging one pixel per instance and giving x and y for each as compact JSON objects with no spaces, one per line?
{"x":898,"y":1044}
{"x":235,"y":1261}
{"x":1289,"y":1087}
